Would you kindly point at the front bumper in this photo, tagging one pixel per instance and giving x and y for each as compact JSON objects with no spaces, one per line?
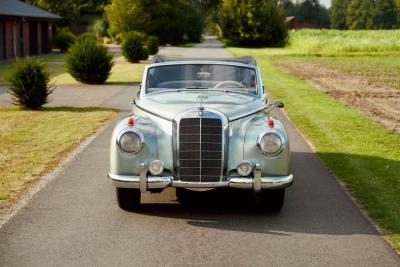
{"x":145,"y":182}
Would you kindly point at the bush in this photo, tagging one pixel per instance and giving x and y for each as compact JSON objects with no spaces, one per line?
{"x":133,"y":47}
{"x":30,"y":83}
{"x":99,"y":28}
{"x":152,"y":45}
{"x":254,"y":23}
{"x":63,"y":40}
{"x":89,"y":62}
{"x":88,"y":35}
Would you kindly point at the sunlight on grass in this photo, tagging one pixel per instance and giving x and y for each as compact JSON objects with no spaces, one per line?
{"x":122,"y":71}
{"x":362,"y":153}
{"x":32,"y":142}
{"x":325,"y":41}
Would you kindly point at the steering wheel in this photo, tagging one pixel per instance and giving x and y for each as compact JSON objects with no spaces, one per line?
{"x":232,"y":83}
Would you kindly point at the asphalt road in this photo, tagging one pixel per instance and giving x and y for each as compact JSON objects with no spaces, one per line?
{"x":75,"y":220}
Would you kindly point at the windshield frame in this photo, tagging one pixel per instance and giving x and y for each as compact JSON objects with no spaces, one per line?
{"x":143,"y":89}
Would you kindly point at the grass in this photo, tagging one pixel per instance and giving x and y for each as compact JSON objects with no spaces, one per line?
{"x":335,"y":41}
{"x":32,"y":142}
{"x":122,"y":71}
{"x":358,"y":150}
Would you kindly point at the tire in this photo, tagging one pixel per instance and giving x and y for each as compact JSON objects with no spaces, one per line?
{"x":272,"y":200}
{"x":128,"y":199}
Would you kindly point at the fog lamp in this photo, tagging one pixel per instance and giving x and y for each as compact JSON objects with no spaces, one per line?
{"x":156,"y":167}
{"x":244,"y":168}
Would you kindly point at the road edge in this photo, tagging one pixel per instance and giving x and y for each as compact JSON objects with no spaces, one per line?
{"x":24,"y":199}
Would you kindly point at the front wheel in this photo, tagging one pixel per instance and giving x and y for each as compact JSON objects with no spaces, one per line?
{"x":128,"y":199}
{"x":272,"y":200}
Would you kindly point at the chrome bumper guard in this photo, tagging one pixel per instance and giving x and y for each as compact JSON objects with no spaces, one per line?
{"x":145,"y":182}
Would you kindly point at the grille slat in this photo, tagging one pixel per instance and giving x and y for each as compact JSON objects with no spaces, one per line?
{"x":200,"y":149}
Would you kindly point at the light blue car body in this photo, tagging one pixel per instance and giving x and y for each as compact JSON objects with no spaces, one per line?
{"x":247,"y":118}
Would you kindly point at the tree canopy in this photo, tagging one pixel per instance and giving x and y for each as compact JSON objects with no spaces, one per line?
{"x":365,"y":14}
{"x":254,"y":23}
{"x":172,"y":21}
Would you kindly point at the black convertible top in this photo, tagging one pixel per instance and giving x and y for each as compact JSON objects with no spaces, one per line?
{"x":244,"y":60}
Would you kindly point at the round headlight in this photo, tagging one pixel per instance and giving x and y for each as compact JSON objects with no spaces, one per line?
{"x":130,"y":142}
{"x":156,"y":167}
{"x":270,"y":144}
{"x":244,"y":168}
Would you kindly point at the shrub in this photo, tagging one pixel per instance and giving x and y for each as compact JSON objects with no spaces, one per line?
{"x":88,"y":35}
{"x":152,"y":45}
{"x":99,"y":28}
{"x":89,"y":62}
{"x":133,"y":47}
{"x":254,"y":23}
{"x":30,"y":83}
{"x":63,"y":40}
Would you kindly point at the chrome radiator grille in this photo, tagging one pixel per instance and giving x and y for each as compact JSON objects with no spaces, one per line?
{"x":200,"y":149}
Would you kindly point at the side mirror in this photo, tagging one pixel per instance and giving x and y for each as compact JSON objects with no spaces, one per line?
{"x":275,"y":104}
{"x":279,"y":104}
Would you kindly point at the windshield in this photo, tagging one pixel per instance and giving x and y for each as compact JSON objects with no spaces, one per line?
{"x":202,"y":77}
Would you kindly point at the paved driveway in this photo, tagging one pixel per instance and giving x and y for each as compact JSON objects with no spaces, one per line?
{"x":75,"y":220}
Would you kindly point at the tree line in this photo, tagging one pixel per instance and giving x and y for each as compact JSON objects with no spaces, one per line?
{"x":244,"y":22}
{"x":365,"y":14}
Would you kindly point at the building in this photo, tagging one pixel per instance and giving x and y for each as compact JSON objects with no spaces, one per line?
{"x":294,"y":25}
{"x":24,"y":29}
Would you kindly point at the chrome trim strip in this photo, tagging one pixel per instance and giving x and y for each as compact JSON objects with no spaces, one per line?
{"x":229,"y":119}
{"x":155,"y":182}
{"x":247,"y":114}
{"x":152,"y":113}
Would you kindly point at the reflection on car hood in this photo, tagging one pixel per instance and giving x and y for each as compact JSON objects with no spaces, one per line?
{"x":169,"y":104}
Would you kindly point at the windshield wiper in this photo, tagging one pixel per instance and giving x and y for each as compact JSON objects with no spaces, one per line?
{"x":237,"y":92}
{"x":196,"y":87}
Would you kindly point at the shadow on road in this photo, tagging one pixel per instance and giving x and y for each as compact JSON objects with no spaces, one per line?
{"x":315,"y":204}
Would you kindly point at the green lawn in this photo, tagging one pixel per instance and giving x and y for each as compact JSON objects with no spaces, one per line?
{"x":362,"y":153}
{"x":33,"y":142}
{"x":122,"y":71}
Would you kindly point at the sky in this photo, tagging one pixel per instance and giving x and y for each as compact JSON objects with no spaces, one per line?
{"x":327,"y":3}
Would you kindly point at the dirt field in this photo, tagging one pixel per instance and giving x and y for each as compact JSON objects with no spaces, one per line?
{"x":370,"y":84}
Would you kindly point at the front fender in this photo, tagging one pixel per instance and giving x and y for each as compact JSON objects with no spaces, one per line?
{"x":122,"y":163}
{"x":243,"y":146}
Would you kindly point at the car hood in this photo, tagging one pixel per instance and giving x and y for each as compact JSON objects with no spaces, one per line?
{"x":169,"y":104}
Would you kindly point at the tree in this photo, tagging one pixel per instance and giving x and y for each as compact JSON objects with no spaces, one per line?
{"x":360,"y":15}
{"x":172,"y":21}
{"x":67,"y":9}
{"x":385,"y":14}
{"x":254,"y":23}
{"x":312,"y":12}
{"x":338,"y":14}
{"x":307,"y":11}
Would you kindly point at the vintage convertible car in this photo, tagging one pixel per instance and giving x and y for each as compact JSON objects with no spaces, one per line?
{"x":201,"y":124}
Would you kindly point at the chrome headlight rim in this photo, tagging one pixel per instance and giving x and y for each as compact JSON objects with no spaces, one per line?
{"x":135,"y":131}
{"x":279,"y":135}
